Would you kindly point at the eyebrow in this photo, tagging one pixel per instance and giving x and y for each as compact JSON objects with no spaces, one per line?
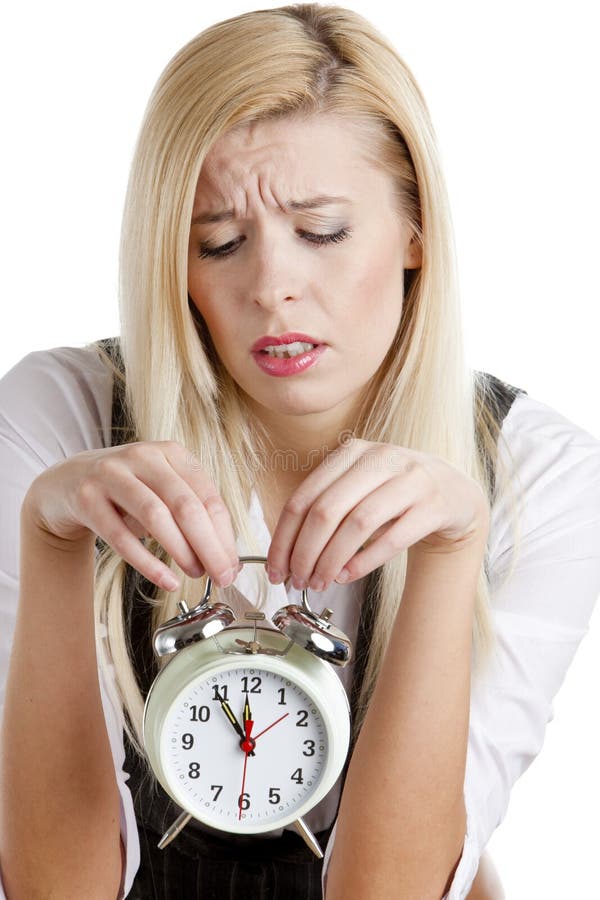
{"x":311,"y":203}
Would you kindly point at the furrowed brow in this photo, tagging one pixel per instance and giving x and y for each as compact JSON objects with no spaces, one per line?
{"x":293,"y":205}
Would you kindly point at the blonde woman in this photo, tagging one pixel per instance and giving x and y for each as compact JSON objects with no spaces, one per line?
{"x":285,"y":189}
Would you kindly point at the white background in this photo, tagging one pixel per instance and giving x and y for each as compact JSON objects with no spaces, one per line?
{"x":513,"y":93}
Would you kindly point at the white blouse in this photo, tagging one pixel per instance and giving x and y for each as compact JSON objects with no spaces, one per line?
{"x":57,"y":402}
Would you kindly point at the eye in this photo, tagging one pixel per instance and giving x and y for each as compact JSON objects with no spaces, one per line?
{"x":206,"y":251}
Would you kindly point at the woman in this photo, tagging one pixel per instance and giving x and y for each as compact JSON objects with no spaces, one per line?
{"x":286,"y":189}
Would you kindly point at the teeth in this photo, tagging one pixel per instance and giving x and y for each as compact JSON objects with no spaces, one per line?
{"x":285,"y":351}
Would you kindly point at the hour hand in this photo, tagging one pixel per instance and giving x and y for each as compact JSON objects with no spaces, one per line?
{"x":230,"y":715}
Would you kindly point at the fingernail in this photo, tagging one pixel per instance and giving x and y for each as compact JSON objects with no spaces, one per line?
{"x":343,"y":576}
{"x":168,"y":582}
{"x":316,"y":583}
{"x":226,"y":578}
{"x":275,"y":577}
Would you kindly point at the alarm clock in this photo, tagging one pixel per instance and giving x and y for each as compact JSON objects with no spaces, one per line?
{"x":247,"y":727}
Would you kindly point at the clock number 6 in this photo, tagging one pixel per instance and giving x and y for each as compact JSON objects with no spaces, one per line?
{"x":244,"y":801}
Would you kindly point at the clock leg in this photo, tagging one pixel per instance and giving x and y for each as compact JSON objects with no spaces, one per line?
{"x":308,"y":837}
{"x":174,"y":829}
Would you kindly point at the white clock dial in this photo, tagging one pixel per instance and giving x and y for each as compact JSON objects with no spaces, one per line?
{"x":208,"y":770}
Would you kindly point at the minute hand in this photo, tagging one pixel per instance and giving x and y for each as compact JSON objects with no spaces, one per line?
{"x":231,"y":716}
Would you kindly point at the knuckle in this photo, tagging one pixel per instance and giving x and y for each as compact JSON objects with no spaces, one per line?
{"x":170,"y":448}
{"x":403,"y":462}
{"x":322,"y":514}
{"x":142,"y":452}
{"x":185,"y":505}
{"x":88,"y":492}
{"x":106,"y":467}
{"x":151,"y":511}
{"x":214,"y":504}
{"x":365,"y":519}
{"x":295,"y":505}
{"x":137,"y":451}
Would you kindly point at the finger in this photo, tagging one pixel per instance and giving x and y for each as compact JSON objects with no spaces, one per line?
{"x":109,"y":526}
{"x":182,"y":526}
{"x":131,"y":522}
{"x":185,"y":465}
{"x":153,"y":518}
{"x":197,"y":509}
{"x":413,"y":525}
{"x":188,"y":469}
{"x":300,"y":502}
{"x":369,"y":518}
{"x":345,"y":497}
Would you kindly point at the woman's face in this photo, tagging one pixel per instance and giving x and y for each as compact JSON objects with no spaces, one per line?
{"x":259,"y":271}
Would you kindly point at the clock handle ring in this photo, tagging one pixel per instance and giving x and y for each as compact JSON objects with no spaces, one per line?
{"x":255,"y":559}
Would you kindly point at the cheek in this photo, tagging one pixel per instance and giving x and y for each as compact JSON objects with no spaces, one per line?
{"x":377,"y":289}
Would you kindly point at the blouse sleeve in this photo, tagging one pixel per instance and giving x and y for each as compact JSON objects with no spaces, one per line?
{"x":540,"y":611}
{"x":53,"y":403}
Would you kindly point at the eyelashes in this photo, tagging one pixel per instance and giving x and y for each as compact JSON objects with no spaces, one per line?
{"x":206,"y":251}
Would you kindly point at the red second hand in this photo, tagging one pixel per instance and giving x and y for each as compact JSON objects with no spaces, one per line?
{"x":246,"y":746}
{"x":256,"y":736}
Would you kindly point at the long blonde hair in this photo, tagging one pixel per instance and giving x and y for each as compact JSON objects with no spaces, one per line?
{"x":299,"y":60}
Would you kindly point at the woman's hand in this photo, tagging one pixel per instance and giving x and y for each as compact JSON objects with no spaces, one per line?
{"x":124,"y":493}
{"x":368,"y":501}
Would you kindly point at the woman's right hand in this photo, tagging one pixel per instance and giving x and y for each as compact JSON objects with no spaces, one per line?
{"x":124,"y":493}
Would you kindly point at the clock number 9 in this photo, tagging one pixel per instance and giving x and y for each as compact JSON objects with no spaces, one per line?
{"x":188,"y":741}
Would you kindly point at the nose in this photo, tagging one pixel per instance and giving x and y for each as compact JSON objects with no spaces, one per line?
{"x":272,"y":278}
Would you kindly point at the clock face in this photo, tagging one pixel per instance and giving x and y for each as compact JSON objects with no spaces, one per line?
{"x":244,"y":783}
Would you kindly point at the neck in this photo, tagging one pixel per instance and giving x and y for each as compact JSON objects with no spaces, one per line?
{"x":298,"y":444}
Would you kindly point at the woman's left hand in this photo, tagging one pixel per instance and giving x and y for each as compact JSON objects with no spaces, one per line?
{"x":365,"y":503}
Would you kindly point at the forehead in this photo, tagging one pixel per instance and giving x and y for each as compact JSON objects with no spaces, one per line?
{"x":284,"y":159}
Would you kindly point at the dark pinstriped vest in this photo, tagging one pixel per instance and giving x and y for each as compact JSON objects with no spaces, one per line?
{"x":198,"y":863}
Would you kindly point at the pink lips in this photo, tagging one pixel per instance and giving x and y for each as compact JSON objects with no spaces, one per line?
{"x":273,"y":365}
{"x":288,"y":338}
